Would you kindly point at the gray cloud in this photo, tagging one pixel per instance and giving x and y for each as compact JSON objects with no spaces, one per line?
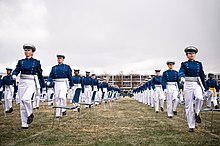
{"x":111,"y":36}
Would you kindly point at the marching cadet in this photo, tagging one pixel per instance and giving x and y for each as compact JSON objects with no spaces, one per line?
{"x":191,"y":72}
{"x":50,"y":93}
{"x":78,"y":88}
{"x":158,"y":91}
{"x":212,"y":88}
{"x":149,"y":91}
{"x":9,"y":85}
{"x":94,"y":89}
{"x":31,"y":73}
{"x":61,"y":74}
{"x":104,"y":90}
{"x":170,"y":84}
{"x":100,"y":91}
{"x":1,"y":89}
{"x":87,"y":81}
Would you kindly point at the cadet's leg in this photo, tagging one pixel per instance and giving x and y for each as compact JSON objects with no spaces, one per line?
{"x":188,"y":94}
{"x":156,"y":99}
{"x":169,"y":105}
{"x":198,"y":99}
{"x":24,"y":114}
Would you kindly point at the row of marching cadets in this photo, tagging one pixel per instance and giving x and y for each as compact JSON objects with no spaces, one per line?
{"x":186,"y":86}
{"x":60,"y":87}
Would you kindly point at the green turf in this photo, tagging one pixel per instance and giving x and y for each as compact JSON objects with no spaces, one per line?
{"x":127,"y":122}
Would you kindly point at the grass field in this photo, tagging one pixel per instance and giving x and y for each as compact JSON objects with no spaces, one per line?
{"x":126,"y":122}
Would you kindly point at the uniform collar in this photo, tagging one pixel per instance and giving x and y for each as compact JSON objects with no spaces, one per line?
{"x":191,"y":60}
{"x":29,"y":58}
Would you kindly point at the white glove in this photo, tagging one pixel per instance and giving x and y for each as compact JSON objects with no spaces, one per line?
{"x":165,"y":90}
{"x":182,"y":80}
{"x":48,"y":83}
{"x":1,"y":89}
{"x":14,"y":77}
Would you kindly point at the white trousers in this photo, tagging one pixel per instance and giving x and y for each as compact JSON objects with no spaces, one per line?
{"x":152,"y":97}
{"x":192,"y":94}
{"x":211,"y":98}
{"x":88,"y":96}
{"x":159,"y":98}
{"x":50,"y":96}
{"x":60,"y":96}
{"x":36,"y":101}
{"x":105,"y":92}
{"x":26,"y":89}
{"x":8,"y":96}
{"x":148,"y":97}
{"x":172,"y":99}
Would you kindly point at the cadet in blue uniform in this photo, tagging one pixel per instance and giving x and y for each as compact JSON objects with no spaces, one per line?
{"x":1,"y":89}
{"x":170,"y":84}
{"x":9,"y":86}
{"x":31,"y":73}
{"x":94,"y":89}
{"x":158,"y":91}
{"x":87,"y":81}
{"x":105,"y":90}
{"x":61,"y":74}
{"x":212,"y":88}
{"x":191,"y":72}
{"x":50,"y":93}
{"x":78,"y":88}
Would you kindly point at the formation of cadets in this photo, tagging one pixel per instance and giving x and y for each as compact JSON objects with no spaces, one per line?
{"x":61,"y":87}
{"x":187,"y":86}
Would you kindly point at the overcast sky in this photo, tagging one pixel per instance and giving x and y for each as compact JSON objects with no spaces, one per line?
{"x":135,"y":36}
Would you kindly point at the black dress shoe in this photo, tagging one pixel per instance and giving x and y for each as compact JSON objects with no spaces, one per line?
{"x":216,"y":107}
{"x":7,"y":112}
{"x":78,"y":109}
{"x":11,"y":110}
{"x":24,"y":127}
{"x":157,"y":112}
{"x":58,"y":117}
{"x":37,"y":108}
{"x":198,"y":119}
{"x":161,"y":109}
{"x":30,"y":119}
{"x":175,"y":112}
{"x":64,"y":113}
{"x":170,"y":117}
{"x":191,"y":130}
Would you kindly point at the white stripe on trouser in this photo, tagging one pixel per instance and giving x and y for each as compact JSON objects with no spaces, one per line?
{"x":158,"y":98}
{"x":26,"y":88}
{"x":8,"y":96}
{"x":60,"y":96}
{"x":172,"y":99}
{"x":88,"y":97}
{"x":191,"y":90}
{"x":152,"y":97}
{"x":211,"y":98}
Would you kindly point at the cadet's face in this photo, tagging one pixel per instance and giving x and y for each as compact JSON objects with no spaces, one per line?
{"x":76,"y":73}
{"x":8,"y":72}
{"x":28,"y":53}
{"x":60,"y":60}
{"x":170,"y":66}
{"x":87,"y":74}
{"x":191,"y":55}
{"x":157,"y":73}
